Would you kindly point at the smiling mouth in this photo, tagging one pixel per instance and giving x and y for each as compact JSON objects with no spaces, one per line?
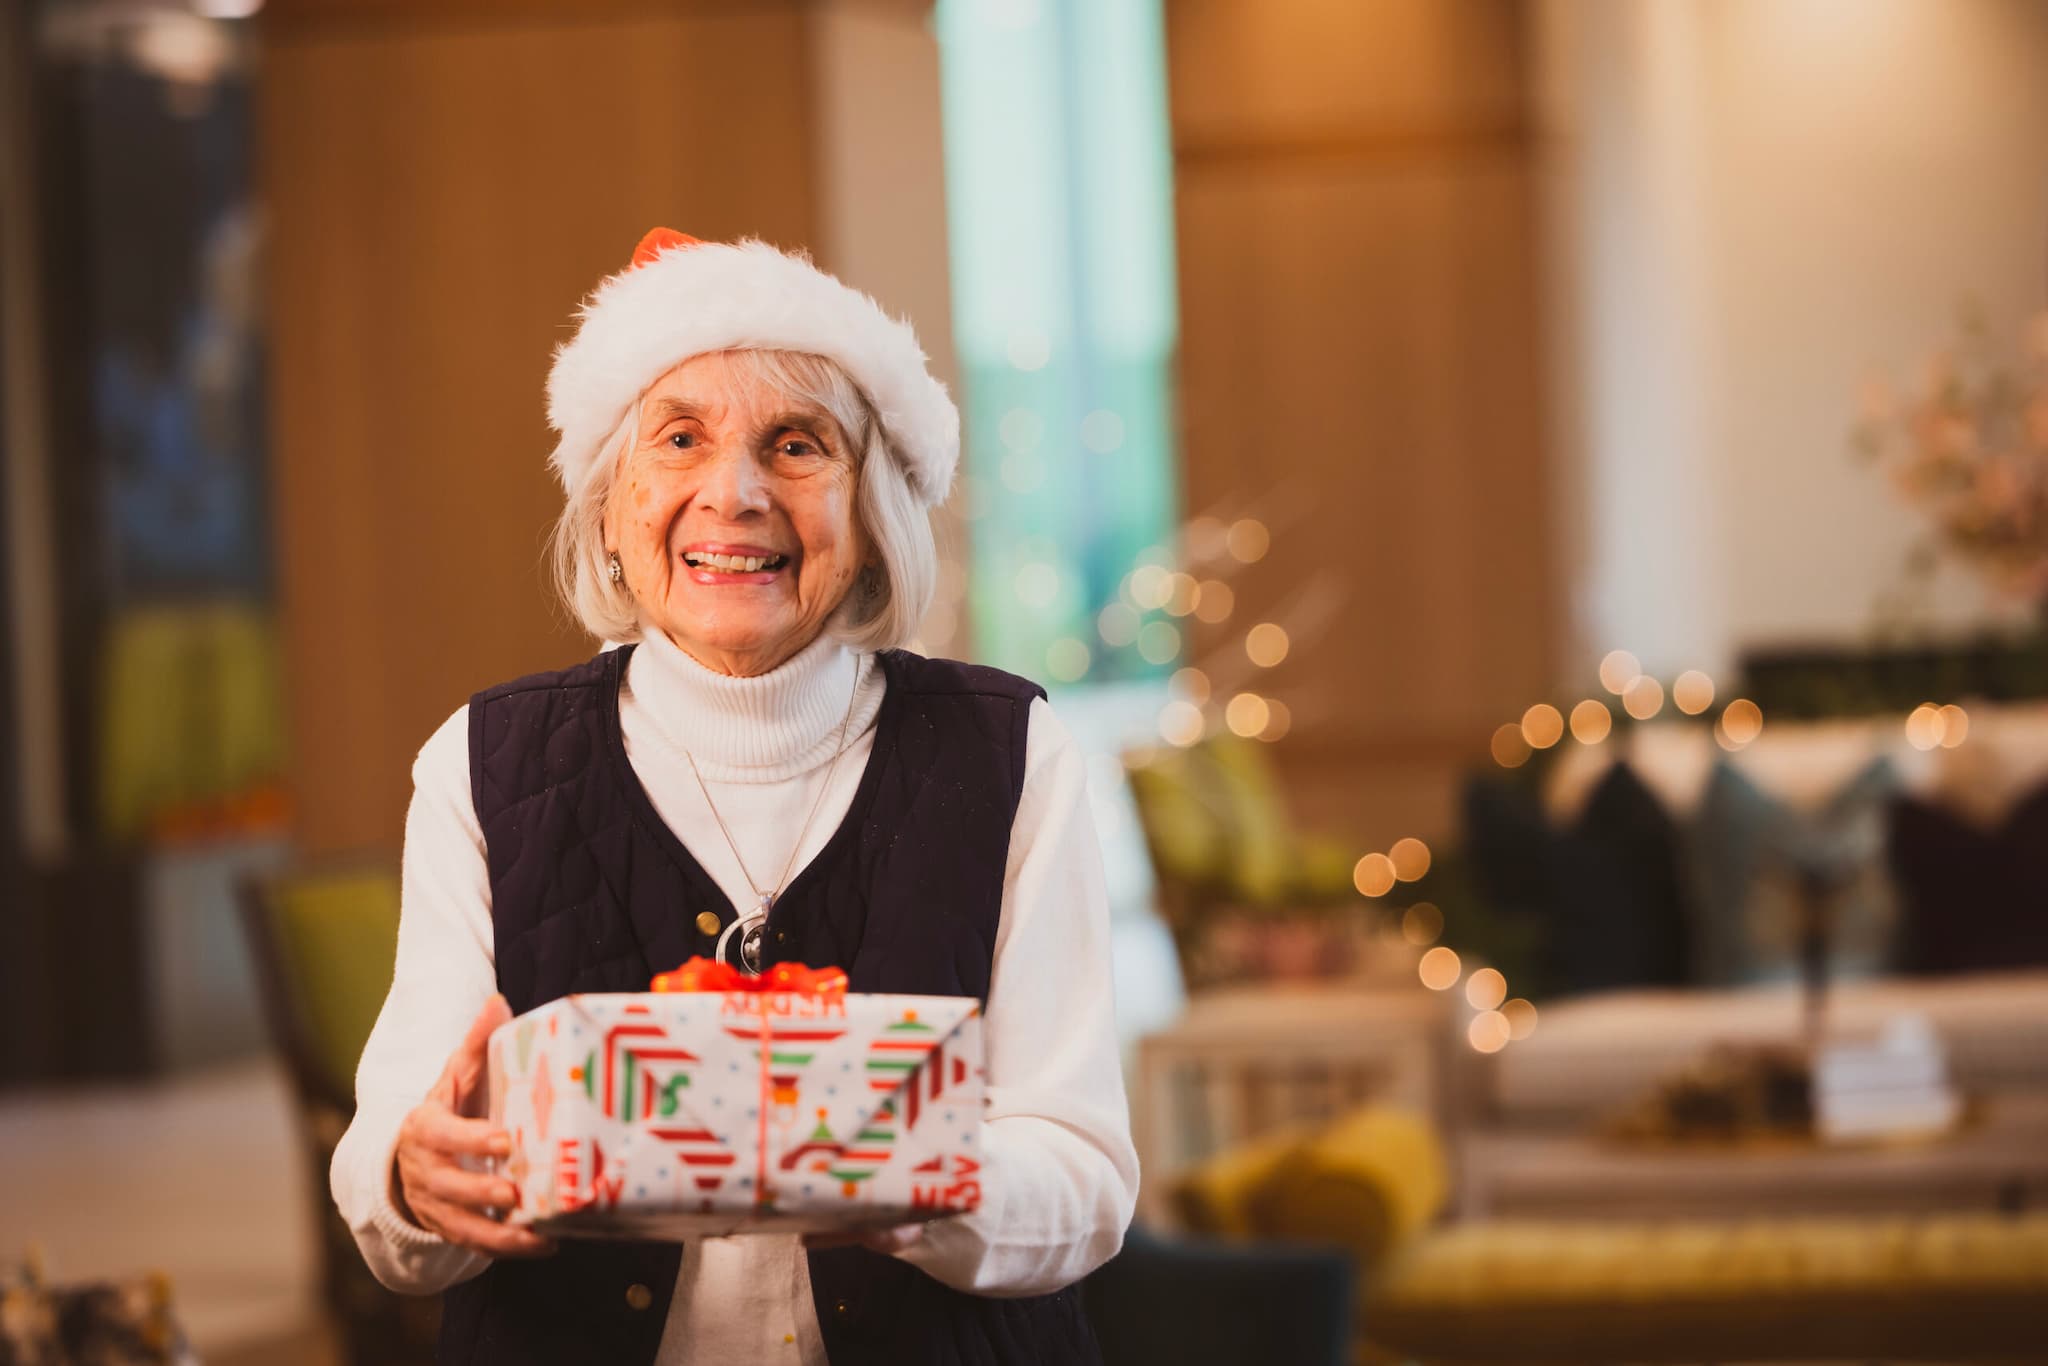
{"x":735,"y":564}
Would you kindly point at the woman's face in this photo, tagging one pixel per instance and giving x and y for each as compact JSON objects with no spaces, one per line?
{"x":733,"y":517}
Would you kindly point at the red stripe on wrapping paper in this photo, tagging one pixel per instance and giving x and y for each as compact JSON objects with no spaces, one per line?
{"x":880,"y":1044}
{"x":935,"y":1066}
{"x":683,"y":1135}
{"x":611,"y":1057}
{"x":710,"y":1159}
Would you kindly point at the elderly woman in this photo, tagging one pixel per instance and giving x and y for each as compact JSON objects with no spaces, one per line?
{"x":748,"y":449}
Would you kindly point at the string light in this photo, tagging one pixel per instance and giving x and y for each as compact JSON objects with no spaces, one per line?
{"x":1181,"y":592}
{"x":1373,"y":875}
{"x":1279,"y":720}
{"x":1591,"y":721}
{"x":1214,"y":603}
{"x":1422,"y":923}
{"x":1439,"y":969}
{"x":1521,"y":1017}
{"x":1159,"y":642}
{"x":1643,"y":698}
{"x":1955,"y":726}
{"x":1410,"y":857}
{"x":1117,"y":624}
{"x":1618,"y":670}
{"x":1180,"y":723}
{"x":1510,"y":750}
{"x":1488,"y":1031}
{"x":1265,"y":644}
{"x":1248,"y":540}
{"x":1067,"y":659}
{"x":1150,"y":585}
{"x":1542,"y":727}
{"x":1190,"y":683}
{"x":1923,"y":726}
{"x":1486,"y":989}
{"x":1741,"y":722}
{"x":1246,"y":714}
{"x":1692,"y":692}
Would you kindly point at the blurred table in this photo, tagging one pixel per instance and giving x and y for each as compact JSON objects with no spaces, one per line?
{"x":1997,"y":1163}
{"x":1245,"y":1061}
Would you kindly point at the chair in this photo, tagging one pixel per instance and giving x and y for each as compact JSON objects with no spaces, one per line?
{"x":323,"y":941}
{"x":1201,"y":1303}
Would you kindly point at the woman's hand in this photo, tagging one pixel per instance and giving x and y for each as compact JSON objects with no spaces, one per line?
{"x":887,"y":1241}
{"x":429,"y":1184}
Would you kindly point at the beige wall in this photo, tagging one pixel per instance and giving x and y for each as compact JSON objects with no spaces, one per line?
{"x":1359,"y":365}
{"x":1758,"y":204}
{"x":444,"y":182}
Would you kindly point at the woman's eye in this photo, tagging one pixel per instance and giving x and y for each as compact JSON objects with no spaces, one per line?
{"x":683,"y":441}
{"x":796,"y":446}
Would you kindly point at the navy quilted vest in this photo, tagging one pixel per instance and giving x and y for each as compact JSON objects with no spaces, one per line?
{"x":590,"y":891}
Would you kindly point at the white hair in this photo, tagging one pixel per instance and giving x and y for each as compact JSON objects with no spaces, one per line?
{"x":888,"y":599}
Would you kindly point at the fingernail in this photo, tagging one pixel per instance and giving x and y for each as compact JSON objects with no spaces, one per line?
{"x":501,"y":1145}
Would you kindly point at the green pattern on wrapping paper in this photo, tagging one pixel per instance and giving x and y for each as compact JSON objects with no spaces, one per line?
{"x":590,"y":1076}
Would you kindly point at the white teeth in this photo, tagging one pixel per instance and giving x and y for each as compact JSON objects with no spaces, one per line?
{"x":738,"y":564}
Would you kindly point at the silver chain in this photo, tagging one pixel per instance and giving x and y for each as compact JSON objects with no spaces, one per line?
{"x":750,"y":924}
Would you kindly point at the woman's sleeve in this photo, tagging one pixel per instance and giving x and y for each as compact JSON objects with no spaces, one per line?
{"x":1060,"y":1177}
{"x":443,"y":976}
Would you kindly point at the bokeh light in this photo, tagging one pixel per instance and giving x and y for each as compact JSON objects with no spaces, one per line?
{"x":1021,"y":429}
{"x":1439,"y":969}
{"x":1373,"y":875}
{"x":1422,"y":924}
{"x":1542,"y":726}
{"x":1279,"y":720}
{"x":1265,"y":644}
{"x":1117,"y":624}
{"x":1248,"y":540}
{"x":1955,"y":726}
{"x":1923,"y":726}
{"x":1486,"y":989}
{"x":1510,"y":750}
{"x":1521,"y":1016}
{"x":1692,"y":692}
{"x":1181,"y":592}
{"x":1180,"y":723}
{"x":1037,"y":584}
{"x":1488,"y":1032}
{"x":1150,"y":585}
{"x":1741,"y":722}
{"x":1643,"y":698}
{"x":1618,"y":670}
{"x":1191,"y":684}
{"x":1159,"y":642}
{"x":1214,"y":603}
{"x":1591,"y":721}
{"x":1028,"y":349}
{"x":1067,"y":659}
{"x":1246,"y":714}
{"x":1410,"y":857}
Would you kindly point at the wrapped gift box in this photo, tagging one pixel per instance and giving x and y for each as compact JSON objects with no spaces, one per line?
{"x":676,"y":1114}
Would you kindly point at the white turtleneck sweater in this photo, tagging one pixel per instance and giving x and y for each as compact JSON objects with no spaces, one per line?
{"x":1060,"y":1175}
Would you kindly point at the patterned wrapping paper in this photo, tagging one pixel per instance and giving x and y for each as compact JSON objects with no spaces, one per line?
{"x":642,"y":1115}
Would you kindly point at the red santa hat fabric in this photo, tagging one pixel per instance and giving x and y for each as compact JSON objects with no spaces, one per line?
{"x":681,"y":297}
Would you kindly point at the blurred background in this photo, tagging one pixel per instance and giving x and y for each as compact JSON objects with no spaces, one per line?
{"x":1538,"y":508}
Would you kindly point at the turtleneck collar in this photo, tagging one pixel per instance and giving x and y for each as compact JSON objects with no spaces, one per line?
{"x":768,"y":728}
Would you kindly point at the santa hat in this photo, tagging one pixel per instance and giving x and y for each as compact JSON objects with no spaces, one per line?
{"x":680,"y":297}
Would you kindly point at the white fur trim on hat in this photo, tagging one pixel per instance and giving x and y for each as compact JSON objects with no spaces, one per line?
{"x":715,"y":296}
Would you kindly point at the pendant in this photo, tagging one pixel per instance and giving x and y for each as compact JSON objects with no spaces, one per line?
{"x":756,"y":926}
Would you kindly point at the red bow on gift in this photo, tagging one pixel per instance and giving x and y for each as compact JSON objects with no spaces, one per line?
{"x":707,"y":974}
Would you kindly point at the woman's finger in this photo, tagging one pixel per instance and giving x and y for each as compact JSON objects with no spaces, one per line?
{"x":441,"y":1130}
{"x":468,"y":1229}
{"x":465,"y":1070}
{"x":469,"y":1190}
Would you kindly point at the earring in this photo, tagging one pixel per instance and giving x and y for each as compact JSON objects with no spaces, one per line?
{"x":618,"y":572}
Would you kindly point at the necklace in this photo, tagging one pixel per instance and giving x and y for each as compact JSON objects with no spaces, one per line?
{"x":751,"y":924}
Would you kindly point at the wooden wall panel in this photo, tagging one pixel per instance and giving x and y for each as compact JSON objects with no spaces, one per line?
{"x":439,"y":199}
{"x":1359,"y":357}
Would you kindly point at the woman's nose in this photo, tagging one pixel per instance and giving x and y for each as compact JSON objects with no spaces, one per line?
{"x":733,"y":483}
